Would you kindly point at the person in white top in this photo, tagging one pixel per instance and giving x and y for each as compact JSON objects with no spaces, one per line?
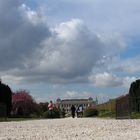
{"x":80,"y":111}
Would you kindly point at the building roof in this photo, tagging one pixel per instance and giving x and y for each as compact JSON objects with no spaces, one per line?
{"x":74,"y":100}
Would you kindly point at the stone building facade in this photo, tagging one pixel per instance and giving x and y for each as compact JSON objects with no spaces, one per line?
{"x":67,"y":103}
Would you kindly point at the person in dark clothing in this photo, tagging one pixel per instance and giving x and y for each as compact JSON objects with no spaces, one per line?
{"x":73,"y":111}
{"x":77,"y":111}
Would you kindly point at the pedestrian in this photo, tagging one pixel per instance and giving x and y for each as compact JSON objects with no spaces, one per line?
{"x":50,"y":107}
{"x":80,"y":111}
{"x":73,"y":111}
{"x":77,"y":111}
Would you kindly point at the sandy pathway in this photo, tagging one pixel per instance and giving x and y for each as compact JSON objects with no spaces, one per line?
{"x":71,"y":129}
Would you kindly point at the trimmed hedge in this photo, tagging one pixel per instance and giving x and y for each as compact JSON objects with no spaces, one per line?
{"x":90,"y":112}
{"x":55,"y":114}
{"x":135,"y":115}
{"x":106,"y":113}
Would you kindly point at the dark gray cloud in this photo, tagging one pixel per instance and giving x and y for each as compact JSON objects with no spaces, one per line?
{"x":32,"y":51}
{"x":19,"y":37}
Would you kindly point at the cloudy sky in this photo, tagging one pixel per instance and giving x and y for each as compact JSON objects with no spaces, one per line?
{"x":70,"y":49}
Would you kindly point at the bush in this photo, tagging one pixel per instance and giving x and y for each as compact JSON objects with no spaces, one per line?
{"x":43,"y":107}
{"x":106,"y":113}
{"x":62,"y":113}
{"x":34,"y":115}
{"x":55,"y":114}
{"x":90,"y":112}
{"x":135,"y":115}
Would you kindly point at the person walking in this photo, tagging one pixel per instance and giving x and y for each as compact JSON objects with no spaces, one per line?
{"x":77,"y":111}
{"x":73,"y":111}
{"x":81,"y":111}
{"x":50,"y":107}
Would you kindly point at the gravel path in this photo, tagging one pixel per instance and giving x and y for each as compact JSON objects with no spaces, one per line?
{"x":71,"y":129}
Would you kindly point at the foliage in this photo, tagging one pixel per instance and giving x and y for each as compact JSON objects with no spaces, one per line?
{"x":23,"y":104}
{"x":6,"y":97}
{"x":34,"y":115}
{"x":55,"y":113}
{"x":134,"y":93}
{"x":63,"y":113}
{"x":106,"y":113}
{"x":43,"y":107}
{"x":3,"y":110}
{"x":135,"y":88}
{"x":90,"y":112}
{"x":107,"y":109}
{"x":135,"y":115}
{"x":109,"y":105}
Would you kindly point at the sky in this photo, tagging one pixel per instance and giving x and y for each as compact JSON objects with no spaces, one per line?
{"x":70,"y":49}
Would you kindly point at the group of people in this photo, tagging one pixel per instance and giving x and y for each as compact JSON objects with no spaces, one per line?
{"x":79,"y":111}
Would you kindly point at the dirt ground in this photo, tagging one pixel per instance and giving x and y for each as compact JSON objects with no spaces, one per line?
{"x":71,"y":129}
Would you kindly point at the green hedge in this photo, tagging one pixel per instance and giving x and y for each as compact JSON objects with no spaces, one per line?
{"x":55,"y":114}
{"x":106,"y":113}
{"x":135,"y":115}
{"x":90,"y":112}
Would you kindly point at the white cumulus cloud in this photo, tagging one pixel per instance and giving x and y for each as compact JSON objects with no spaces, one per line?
{"x":76,"y":95}
{"x":105,"y":80}
{"x":66,"y":53}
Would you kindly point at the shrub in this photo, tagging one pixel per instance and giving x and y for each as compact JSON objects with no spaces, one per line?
{"x":90,"y":112}
{"x":43,"y":107}
{"x":55,"y":114}
{"x":106,"y":113}
{"x":34,"y":115}
{"x":62,"y":113}
{"x":135,"y":115}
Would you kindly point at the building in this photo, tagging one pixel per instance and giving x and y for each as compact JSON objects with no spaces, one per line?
{"x":67,"y":103}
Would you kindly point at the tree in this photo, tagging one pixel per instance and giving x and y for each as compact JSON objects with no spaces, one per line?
{"x":23,"y":104}
{"x":134,"y":93}
{"x":6,"y":97}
